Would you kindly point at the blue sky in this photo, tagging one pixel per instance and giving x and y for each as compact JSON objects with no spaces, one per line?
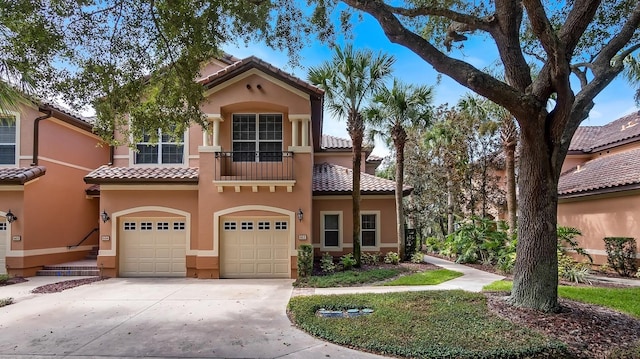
{"x":615,"y":101}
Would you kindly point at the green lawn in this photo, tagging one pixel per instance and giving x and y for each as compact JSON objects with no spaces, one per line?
{"x":431,"y":277}
{"x":429,"y":324}
{"x":348,"y":278}
{"x":622,"y":299}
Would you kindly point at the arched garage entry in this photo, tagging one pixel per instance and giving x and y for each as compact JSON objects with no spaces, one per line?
{"x":255,"y":246}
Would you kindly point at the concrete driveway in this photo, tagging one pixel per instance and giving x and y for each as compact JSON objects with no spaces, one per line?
{"x":163,"y":318}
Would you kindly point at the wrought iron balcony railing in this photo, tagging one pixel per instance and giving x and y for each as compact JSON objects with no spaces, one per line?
{"x":254,"y":166}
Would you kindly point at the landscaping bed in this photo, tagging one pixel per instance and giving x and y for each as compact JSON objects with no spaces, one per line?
{"x":63,"y":285}
{"x":6,"y":280}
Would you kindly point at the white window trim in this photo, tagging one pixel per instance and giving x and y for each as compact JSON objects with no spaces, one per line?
{"x":185,"y":155}
{"x":377,"y":246}
{"x":257,"y":140}
{"x":323,"y":248}
{"x":15,"y":115}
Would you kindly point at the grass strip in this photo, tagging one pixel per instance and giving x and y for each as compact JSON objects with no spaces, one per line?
{"x":431,"y":277}
{"x":428,"y":324}
{"x":621,"y":299}
{"x":348,"y":278}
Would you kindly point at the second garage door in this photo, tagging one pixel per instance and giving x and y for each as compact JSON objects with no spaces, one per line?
{"x":152,"y":247}
{"x":254,"y":247}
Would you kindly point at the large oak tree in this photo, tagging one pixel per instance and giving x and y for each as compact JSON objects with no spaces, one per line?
{"x":588,"y":39}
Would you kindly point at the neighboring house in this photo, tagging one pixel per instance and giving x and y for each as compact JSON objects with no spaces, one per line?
{"x":237,"y":199}
{"x":599,"y":189}
{"x":45,"y":152}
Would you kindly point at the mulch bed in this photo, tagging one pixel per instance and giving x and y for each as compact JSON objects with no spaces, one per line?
{"x":13,"y":280}
{"x":60,"y":286}
{"x":588,"y":330}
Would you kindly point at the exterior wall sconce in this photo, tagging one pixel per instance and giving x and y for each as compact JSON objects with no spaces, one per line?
{"x":11,"y":217}
{"x":300,"y":214}
{"x":104,"y":216}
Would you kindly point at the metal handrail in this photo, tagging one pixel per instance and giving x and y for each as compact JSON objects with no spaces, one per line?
{"x":84,"y":239}
{"x":254,"y":165}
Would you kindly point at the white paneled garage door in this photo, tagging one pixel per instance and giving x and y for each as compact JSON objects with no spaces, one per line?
{"x":4,"y":235}
{"x":152,"y":247}
{"x":254,"y":247}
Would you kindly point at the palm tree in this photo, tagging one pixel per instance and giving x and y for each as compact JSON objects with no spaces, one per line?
{"x":14,"y":87}
{"x":509,"y":137}
{"x":394,"y":111}
{"x":349,"y":79}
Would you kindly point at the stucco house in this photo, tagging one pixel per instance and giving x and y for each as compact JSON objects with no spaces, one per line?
{"x":45,"y":152}
{"x":599,"y":189}
{"x":236,"y":199}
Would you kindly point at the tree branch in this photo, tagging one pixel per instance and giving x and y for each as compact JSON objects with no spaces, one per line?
{"x":541,"y":26}
{"x":473,"y":21}
{"x":497,"y":91}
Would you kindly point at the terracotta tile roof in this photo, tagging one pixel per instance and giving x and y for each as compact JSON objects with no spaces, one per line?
{"x":106,"y":174}
{"x":331,"y":142}
{"x":608,"y":172}
{"x":333,"y":179}
{"x":21,"y":175}
{"x":93,"y":190}
{"x":254,"y":62}
{"x":374,"y":158}
{"x":591,"y":138}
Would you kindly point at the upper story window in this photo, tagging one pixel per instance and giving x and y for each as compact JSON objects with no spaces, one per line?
{"x":8,"y":142}
{"x":257,"y":137}
{"x":168,"y":150}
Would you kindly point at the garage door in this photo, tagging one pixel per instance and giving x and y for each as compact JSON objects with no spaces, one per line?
{"x":4,"y":234}
{"x":152,"y":247}
{"x":254,"y":248}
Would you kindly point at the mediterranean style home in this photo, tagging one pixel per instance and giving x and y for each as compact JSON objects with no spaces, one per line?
{"x":599,"y":189}
{"x":45,"y":215}
{"x":233,"y":200}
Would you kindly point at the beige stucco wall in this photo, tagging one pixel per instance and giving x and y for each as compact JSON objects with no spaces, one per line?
{"x":602,"y":216}
{"x":384,"y":206}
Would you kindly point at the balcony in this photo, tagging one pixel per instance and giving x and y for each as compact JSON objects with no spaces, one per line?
{"x":254,"y":169}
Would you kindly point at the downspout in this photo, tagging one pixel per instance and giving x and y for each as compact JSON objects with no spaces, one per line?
{"x":36,"y":131}
{"x":112,"y":151}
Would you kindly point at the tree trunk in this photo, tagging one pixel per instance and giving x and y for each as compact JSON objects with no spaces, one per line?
{"x":449,"y":205}
{"x":356,"y":131}
{"x":399,"y":138}
{"x":512,"y":216}
{"x":535,"y":282}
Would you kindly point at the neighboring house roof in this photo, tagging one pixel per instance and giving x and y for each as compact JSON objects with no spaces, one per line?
{"x":20,"y":176}
{"x":107,"y":174}
{"x":610,"y":173}
{"x":331,"y":179}
{"x":374,"y":158}
{"x":335,"y":143}
{"x":594,"y":138}
{"x":93,"y":190}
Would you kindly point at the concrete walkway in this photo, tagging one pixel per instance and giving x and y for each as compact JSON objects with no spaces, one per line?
{"x":472,"y":280}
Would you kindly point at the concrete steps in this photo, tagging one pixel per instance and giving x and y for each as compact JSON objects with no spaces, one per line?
{"x":80,"y":268}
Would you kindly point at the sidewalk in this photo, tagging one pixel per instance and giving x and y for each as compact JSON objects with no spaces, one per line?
{"x":472,"y":280}
{"x":624,"y":281}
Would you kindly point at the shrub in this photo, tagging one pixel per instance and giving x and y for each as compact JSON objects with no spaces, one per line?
{"x":621,"y":255}
{"x":604,"y":268}
{"x":347,"y":261}
{"x":371,"y":258}
{"x":4,"y":278}
{"x":433,"y":244}
{"x":417,"y":257}
{"x":566,"y":240}
{"x":326,"y":263}
{"x":5,"y":301}
{"x":392,"y":258}
{"x":305,"y":260}
{"x":477,"y":240}
{"x":571,"y":270}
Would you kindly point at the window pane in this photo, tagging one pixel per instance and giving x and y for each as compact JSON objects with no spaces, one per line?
{"x":331,"y":239}
{"x":7,"y":130}
{"x":368,"y":221}
{"x":270,"y":151}
{"x":271,"y":127}
{"x":368,"y":238}
{"x":147,"y":154}
{"x":7,"y":154}
{"x":244,"y":127}
{"x":171,"y":138}
{"x":331,"y":221}
{"x":172,"y":153}
{"x":244,"y":151}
